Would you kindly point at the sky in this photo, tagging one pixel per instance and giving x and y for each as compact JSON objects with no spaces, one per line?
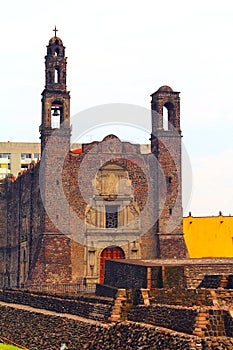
{"x":121,"y":52}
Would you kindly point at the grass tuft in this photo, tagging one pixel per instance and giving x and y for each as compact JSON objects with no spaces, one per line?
{"x":8,"y":347}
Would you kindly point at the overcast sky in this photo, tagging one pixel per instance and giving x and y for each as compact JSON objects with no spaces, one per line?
{"x":122,"y":52}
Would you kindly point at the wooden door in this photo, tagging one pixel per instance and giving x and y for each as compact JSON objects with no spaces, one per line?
{"x":109,"y":253}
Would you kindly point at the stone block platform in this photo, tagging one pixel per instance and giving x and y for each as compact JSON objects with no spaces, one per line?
{"x":164,"y":273}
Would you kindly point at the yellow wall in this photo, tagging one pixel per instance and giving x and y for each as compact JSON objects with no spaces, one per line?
{"x":209,"y":236}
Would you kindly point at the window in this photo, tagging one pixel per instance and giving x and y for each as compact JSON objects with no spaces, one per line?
{"x":57,"y":76}
{"x":5,"y":155}
{"x":26,"y":155}
{"x":4,"y":166}
{"x":111,"y":216}
{"x":165,"y":118}
{"x":169,"y":116}
{"x":36,"y":155}
{"x":24,"y":166}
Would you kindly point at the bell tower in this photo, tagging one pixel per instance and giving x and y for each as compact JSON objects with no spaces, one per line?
{"x":55,"y":97}
{"x":166,"y":147}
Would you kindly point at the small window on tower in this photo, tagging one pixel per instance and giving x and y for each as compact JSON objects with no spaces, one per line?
{"x":111,"y":216}
{"x":57,"y":76}
{"x":165,"y":118}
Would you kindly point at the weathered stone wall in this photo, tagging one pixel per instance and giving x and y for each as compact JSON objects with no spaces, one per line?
{"x":182,"y":297}
{"x":173,"y":276}
{"x":211,"y":281}
{"x":230,"y":282}
{"x":31,"y":254}
{"x":3,"y":231}
{"x":123,"y":275}
{"x":224,"y":297}
{"x":196,"y":273}
{"x":217,"y":281}
{"x":210,"y":321}
{"x":43,"y":332}
{"x":180,"y":319}
{"x":219,"y":323}
{"x":228,"y":323}
{"x":106,"y":291}
{"x":95,"y":308}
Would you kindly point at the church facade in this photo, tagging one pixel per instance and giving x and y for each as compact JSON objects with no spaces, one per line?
{"x":62,"y":218}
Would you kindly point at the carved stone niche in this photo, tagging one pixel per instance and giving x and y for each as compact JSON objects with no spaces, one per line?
{"x":112,"y":181}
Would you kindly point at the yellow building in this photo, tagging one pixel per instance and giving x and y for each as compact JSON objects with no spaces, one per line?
{"x":210,"y":236}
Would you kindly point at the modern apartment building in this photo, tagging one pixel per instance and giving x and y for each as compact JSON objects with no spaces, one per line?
{"x":16,"y":156}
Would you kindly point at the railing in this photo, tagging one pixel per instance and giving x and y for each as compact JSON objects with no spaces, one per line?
{"x":62,"y":288}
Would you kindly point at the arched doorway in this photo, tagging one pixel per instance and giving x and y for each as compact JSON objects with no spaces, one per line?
{"x":109,"y":253}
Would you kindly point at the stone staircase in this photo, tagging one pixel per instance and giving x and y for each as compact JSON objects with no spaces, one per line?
{"x":117,"y":308}
{"x":212,"y":323}
{"x":201,"y":323}
{"x":145,"y":296}
{"x":123,"y":303}
{"x":224,"y":282}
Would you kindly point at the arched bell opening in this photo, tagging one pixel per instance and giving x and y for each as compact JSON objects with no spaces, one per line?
{"x":56,"y":115}
{"x":168,"y":116}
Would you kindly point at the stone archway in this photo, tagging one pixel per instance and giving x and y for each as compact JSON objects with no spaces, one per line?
{"x":109,"y":253}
